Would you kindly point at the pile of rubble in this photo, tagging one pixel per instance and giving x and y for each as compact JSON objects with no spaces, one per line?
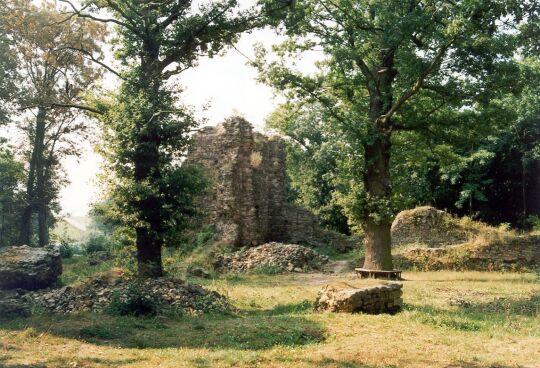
{"x":97,"y":294}
{"x":28,"y":277}
{"x":385,"y":298}
{"x":279,"y":257}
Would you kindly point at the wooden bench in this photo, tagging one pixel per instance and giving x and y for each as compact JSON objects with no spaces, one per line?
{"x":378,"y":274}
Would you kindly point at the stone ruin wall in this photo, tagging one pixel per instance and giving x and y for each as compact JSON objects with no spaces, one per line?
{"x":247,"y":201}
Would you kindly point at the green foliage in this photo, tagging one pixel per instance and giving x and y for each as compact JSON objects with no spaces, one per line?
{"x":145,"y":127}
{"x":8,"y":64}
{"x":377,"y":56}
{"x":267,"y":269}
{"x":11,"y":176}
{"x":97,"y":243}
{"x":135,"y":301}
{"x":66,"y":251}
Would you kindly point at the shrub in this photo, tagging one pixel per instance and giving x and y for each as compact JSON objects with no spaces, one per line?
{"x":66,"y":251}
{"x":267,"y":269}
{"x":135,"y":301}
{"x":96,"y":243}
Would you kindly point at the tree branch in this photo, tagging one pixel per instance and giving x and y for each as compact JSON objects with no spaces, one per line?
{"x":417,"y":85}
{"x":93,"y":59}
{"x":103,"y":20}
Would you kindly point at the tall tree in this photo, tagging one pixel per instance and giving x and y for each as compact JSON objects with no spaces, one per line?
{"x":146,"y":130}
{"x":388,"y":67}
{"x":54,"y":79}
{"x":7,"y":67}
{"x":11,"y":175}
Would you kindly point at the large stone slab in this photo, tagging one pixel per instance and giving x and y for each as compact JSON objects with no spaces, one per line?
{"x":384,"y":298}
{"x":29,"y":268}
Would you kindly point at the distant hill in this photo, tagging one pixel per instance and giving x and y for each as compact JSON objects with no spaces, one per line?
{"x":76,"y":228}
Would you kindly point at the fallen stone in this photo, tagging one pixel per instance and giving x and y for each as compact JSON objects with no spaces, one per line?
{"x":29,"y":268}
{"x":13,"y":305}
{"x":385,"y":298}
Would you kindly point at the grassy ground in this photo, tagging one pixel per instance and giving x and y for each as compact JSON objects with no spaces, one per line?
{"x":450,"y":319}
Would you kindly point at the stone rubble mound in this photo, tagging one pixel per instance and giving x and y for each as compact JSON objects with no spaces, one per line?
{"x":377,"y":299}
{"x":96,"y":294}
{"x":29,"y":268}
{"x":427,"y":225}
{"x":280,"y":257}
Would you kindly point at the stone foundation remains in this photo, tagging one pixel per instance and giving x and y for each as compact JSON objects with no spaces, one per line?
{"x":247,"y":201}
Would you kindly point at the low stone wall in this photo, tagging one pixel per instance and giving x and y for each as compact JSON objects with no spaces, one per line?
{"x":377,"y":299}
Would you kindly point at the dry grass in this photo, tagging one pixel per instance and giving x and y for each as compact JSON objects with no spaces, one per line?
{"x":451,"y":319}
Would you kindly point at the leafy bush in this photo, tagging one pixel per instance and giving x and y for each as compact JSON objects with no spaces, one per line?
{"x":267,"y":269}
{"x":66,"y":251}
{"x":135,"y":301}
{"x":97,"y":243}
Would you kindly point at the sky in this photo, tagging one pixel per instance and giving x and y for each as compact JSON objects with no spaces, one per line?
{"x":226,"y":83}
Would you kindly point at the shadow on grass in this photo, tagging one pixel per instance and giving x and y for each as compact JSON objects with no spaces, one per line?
{"x":253,"y":330}
{"x":75,"y":362}
{"x":476,"y":316}
{"x":464,"y":364}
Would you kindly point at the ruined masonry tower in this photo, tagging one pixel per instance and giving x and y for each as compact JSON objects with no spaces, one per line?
{"x":247,"y":200}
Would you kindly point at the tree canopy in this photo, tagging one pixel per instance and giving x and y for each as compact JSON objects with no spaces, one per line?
{"x":393,"y":67}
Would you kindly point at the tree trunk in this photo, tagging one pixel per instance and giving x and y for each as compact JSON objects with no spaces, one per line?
{"x":25,"y":232}
{"x":147,"y":169}
{"x":42,"y":203}
{"x":43,"y":225}
{"x":377,"y":238}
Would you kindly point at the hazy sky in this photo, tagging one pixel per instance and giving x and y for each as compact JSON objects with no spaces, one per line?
{"x":226,"y":82}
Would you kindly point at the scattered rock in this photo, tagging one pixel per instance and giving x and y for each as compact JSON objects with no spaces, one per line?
{"x":98,"y":257}
{"x":12,"y":305}
{"x":198,"y":272}
{"x":29,"y":268}
{"x":275,"y":256}
{"x":385,"y":298}
{"x":96,"y":294}
{"x":427,"y":225}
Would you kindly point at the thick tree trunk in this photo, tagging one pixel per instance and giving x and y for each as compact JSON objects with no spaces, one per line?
{"x":147,"y":169}
{"x":25,"y":232}
{"x":377,"y":238}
